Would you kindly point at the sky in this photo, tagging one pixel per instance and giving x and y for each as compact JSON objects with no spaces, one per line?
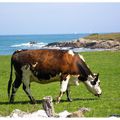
{"x":59,"y":18}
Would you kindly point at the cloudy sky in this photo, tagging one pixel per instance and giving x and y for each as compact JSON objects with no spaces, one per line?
{"x":55,"y":18}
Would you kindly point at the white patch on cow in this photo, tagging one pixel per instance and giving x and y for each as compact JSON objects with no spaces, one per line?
{"x":71,"y":52}
{"x":34,"y":65}
{"x":19,"y":50}
{"x":26,"y":77}
{"x":64,"y":84}
{"x":88,"y":66}
{"x":95,"y":89}
{"x":90,"y":78}
{"x":94,"y":74}
{"x":82,"y":57}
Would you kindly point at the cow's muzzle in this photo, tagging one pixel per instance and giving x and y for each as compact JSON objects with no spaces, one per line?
{"x":98,"y":95}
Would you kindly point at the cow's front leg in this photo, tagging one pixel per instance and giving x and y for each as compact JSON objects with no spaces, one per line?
{"x":63,"y":87}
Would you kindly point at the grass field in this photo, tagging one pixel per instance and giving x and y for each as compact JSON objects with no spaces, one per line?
{"x":107,"y":36}
{"x":107,"y":63}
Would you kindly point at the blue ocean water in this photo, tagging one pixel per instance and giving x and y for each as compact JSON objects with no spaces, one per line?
{"x":10,"y":43}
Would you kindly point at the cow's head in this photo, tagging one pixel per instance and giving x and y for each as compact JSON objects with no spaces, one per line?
{"x":92,"y":83}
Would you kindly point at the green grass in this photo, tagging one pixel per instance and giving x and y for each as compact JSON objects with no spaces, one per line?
{"x":107,"y":36}
{"x":107,"y":63}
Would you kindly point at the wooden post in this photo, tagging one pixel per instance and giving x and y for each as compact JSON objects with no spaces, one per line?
{"x":48,"y":106}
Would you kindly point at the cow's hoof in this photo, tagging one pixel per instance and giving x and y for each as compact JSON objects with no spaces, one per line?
{"x":33,"y":102}
{"x":58,"y":100}
{"x":69,"y":99}
{"x":11,"y":101}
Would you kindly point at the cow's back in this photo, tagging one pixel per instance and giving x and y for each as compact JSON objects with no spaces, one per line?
{"x":45,"y":61}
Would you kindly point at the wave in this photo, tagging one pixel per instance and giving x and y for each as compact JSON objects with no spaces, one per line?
{"x":29,"y":45}
{"x":86,"y":49}
{"x":76,"y":49}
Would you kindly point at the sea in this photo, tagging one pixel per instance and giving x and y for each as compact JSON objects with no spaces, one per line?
{"x":10,"y":43}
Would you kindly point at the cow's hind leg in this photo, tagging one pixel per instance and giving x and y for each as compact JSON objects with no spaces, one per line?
{"x":26,"y":82}
{"x":68,"y":93}
{"x":26,"y":88}
{"x":15,"y":86}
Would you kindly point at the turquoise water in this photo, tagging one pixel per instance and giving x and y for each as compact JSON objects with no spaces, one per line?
{"x":10,"y":43}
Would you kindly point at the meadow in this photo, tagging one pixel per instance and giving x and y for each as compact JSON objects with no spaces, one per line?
{"x":108,"y":36}
{"x":107,"y":63}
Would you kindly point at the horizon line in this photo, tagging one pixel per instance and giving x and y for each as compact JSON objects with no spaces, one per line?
{"x":58,"y":33}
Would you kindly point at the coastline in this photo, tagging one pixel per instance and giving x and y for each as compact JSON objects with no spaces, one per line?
{"x":92,"y":43}
{"x":88,"y":43}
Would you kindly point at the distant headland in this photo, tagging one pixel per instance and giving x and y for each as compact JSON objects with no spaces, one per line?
{"x":94,"y":41}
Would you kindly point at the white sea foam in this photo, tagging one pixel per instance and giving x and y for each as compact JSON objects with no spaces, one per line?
{"x":75,"y":49}
{"x":29,"y":45}
{"x":86,"y":50}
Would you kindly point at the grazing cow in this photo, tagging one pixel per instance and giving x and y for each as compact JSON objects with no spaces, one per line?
{"x":44,"y":66}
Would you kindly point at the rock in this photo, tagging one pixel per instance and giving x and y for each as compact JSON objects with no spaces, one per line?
{"x":90,"y":44}
{"x":17,"y":113}
{"x":86,"y":43}
{"x":79,"y":113}
{"x":21,"y":114}
{"x":64,"y":114}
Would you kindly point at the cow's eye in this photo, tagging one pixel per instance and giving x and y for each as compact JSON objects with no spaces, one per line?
{"x":93,"y":82}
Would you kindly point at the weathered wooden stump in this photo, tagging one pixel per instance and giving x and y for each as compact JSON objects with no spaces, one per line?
{"x":48,"y":106}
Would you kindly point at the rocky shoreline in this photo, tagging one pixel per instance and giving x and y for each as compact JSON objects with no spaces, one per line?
{"x":88,"y":43}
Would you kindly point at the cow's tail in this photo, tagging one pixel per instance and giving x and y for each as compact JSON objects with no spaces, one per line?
{"x":10,"y":79}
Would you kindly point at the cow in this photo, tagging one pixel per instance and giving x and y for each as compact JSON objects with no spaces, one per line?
{"x":47,"y":65}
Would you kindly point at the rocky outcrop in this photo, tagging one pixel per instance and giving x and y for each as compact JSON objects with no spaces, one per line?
{"x":87,"y":43}
{"x":104,"y":44}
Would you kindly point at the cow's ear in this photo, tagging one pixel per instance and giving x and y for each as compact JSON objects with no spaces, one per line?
{"x":96,"y":75}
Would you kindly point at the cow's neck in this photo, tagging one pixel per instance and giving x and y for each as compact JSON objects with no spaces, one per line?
{"x":85,"y":71}
{"x":85,"y":77}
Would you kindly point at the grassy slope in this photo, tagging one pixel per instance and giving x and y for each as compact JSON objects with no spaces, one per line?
{"x":106,"y":63}
{"x":109,"y":36}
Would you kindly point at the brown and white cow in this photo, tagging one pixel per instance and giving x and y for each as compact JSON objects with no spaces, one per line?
{"x":45,"y":66}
